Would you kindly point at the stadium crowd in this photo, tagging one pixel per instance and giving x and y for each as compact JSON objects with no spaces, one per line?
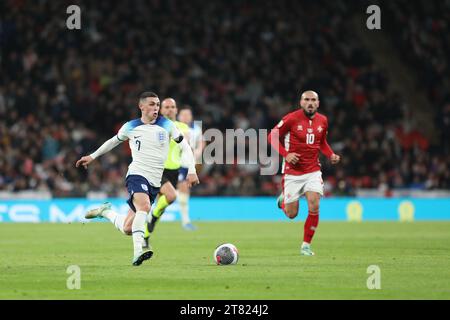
{"x":425,"y":34}
{"x":239,"y":64}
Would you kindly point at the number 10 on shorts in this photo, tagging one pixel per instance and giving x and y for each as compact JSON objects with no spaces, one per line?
{"x":309,"y":138}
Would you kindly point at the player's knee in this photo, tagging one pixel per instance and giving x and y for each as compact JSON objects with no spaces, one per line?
{"x":144,"y":207}
{"x":313,"y":205}
{"x":291,"y":213}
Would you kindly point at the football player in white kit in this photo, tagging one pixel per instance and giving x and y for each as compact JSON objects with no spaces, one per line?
{"x":149,"y":138}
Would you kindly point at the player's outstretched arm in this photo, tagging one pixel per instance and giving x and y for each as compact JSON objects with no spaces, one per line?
{"x":104,"y":148}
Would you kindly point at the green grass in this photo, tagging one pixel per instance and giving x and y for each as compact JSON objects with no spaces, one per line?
{"x":414,"y":259}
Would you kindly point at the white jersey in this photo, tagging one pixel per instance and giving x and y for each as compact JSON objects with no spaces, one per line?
{"x":149,"y":144}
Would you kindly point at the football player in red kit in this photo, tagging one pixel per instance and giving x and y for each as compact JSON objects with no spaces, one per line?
{"x":299,"y":137}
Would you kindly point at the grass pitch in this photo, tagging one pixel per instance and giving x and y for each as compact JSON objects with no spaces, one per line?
{"x":414,"y":259}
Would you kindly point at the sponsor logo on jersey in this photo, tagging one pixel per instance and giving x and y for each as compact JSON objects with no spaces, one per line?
{"x":144,"y":187}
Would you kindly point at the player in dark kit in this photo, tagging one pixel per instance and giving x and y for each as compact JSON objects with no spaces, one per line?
{"x":299,"y":137}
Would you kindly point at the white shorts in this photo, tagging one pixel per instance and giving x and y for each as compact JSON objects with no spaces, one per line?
{"x":296,"y":186}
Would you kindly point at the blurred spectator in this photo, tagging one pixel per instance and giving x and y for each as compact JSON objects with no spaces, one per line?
{"x":239,"y":64}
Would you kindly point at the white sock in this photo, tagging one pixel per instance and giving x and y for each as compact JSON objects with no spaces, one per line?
{"x":138,"y":230}
{"x":118,"y":220}
{"x":183,"y":200}
{"x":149,"y":216}
{"x":305,"y":244}
{"x":110,"y":215}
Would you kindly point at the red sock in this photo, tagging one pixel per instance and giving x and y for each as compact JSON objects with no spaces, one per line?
{"x":311,"y":224}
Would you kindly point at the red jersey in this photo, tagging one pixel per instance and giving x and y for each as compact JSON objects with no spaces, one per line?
{"x":300,"y":134}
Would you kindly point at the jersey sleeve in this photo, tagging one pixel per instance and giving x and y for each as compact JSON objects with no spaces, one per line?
{"x":106,"y":147}
{"x":175,"y":133}
{"x":277,"y":134}
{"x":122,"y":134}
{"x":324,"y":146}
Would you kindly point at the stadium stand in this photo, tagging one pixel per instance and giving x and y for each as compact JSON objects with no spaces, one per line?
{"x":239,"y":64}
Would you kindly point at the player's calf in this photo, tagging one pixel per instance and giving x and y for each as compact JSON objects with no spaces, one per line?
{"x":171,"y":197}
{"x":128,"y":224}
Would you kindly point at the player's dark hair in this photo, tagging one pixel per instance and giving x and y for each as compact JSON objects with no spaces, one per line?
{"x":185,"y":107}
{"x":147,"y":94}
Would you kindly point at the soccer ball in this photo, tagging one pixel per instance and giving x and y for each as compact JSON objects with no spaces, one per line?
{"x":226,"y":253}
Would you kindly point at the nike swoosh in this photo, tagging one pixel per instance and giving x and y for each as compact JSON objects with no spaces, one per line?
{"x":137,"y":137}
